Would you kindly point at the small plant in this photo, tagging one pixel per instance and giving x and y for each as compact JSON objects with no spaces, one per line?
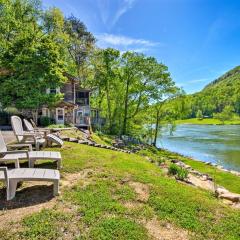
{"x":182,"y":174}
{"x":179,"y":172}
{"x":173,"y":169}
{"x":161,"y":161}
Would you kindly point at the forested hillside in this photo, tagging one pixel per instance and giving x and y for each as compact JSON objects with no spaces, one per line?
{"x":222,"y":93}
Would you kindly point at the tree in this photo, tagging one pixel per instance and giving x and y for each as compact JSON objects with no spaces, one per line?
{"x":199,"y":115}
{"x":80,"y":46}
{"x":226,"y":114}
{"x":106,"y":82}
{"x":32,"y":54}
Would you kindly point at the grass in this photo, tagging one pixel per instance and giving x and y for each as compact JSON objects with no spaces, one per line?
{"x":99,"y":210}
{"x":225,"y":179}
{"x":44,"y":225}
{"x":207,"y":121}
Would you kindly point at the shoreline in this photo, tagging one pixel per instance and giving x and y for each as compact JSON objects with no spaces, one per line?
{"x":207,"y":121}
{"x":217,"y":166}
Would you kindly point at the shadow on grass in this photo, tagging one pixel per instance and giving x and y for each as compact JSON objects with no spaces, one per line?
{"x":28,"y":196}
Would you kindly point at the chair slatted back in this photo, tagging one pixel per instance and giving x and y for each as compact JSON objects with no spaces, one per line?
{"x":3,"y":146}
{"x":17,"y":127}
{"x":28,"y":125}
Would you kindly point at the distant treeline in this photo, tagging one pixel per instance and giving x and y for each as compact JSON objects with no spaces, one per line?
{"x":222,"y":93}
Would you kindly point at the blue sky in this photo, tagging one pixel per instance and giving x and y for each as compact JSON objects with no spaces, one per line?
{"x":198,"y":40}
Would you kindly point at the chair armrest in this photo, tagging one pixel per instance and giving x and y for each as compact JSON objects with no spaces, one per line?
{"x":28,"y":134}
{"x":14,"y":151}
{"x":41,"y":130}
{"x":17,"y":145}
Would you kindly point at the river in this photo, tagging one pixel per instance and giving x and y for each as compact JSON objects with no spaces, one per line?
{"x":219,"y":144}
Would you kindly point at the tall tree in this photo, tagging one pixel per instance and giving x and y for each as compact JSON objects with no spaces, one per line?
{"x":32,"y":54}
{"x":80,"y":46}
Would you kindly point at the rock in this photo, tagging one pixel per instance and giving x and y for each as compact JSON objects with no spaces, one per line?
{"x":221,"y":190}
{"x":233,"y":197}
{"x":219,"y":167}
{"x":235,"y":172}
{"x":73,"y":140}
{"x":204,"y":177}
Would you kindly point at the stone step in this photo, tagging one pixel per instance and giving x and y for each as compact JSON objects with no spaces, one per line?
{"x":73,"y":140}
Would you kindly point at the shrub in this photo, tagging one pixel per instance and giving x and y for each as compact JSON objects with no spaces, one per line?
{"x":179,"y":172}
{"x":182,"y":174}
{"x":199,"y":115}
{"x":45,"y":121}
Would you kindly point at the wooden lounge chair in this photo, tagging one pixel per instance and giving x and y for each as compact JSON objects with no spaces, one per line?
{"x":30,"y":128}
{"x":32,"y":156}
{"x":13,"y":176}
{"x":26,"y":137}
{"x":50,"y":138}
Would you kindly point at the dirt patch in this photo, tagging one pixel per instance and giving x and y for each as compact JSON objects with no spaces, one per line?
{"x":30,"y":198}
{"x":142,"y":191}
{"x":132,"y":204}
{"x":70,"y":179}
{"x":164,"y":231}
{"x":204,"y":184}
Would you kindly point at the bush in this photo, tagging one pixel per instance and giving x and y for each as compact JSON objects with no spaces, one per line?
{"x":179,"y":172}
{"x":45,"y":121}
{"x":199,"y":115}
{"x":173,"y":169}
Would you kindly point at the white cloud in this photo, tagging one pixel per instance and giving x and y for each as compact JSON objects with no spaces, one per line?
{"x":111,"y":11}
{"x":124,"y":43}
{"x":126,"y":5}
{"x":199,"y":80}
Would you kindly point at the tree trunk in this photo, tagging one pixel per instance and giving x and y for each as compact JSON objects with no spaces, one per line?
{"x":156,"y":129}
{"x":124,"y":129}
{"x":109,"y":107}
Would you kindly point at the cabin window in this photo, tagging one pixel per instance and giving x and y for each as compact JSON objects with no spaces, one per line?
{"x":53,"y":90}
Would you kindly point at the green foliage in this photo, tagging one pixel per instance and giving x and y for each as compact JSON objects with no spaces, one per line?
{"x":80,"y":47}
{"x":180,"y":172}
{"x":199,"y":115}
{"x":225,"y":115}
{"x":125,"y":87}
{"x":32,"y":54}
{"x":45,"y":121}
{"x":217,"y":95}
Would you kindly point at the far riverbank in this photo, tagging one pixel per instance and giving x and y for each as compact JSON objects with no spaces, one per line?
{"x":207,"y":121}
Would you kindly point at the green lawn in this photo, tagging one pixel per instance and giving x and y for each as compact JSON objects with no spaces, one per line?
{"x":95,"y":207}
{"x":207,"y":121}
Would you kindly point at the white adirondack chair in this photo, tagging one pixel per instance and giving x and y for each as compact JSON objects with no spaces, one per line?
{"x":13,"y":176}
{"x":32,"y":156}
{"x":32,"y":129}
{"x":50,"y":138}
{"x":26,"y":137}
